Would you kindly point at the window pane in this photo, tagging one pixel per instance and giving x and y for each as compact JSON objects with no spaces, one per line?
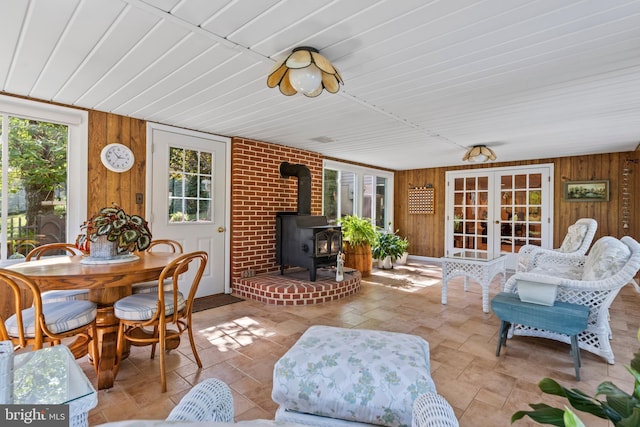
{"x":381,"y":202}
{"x":205,"y":210}
{"x":347,"y":189}
{"x":205,"y":163}
{"x":330,"y":195}
{"x":190,"y":185}
{"x":37,"y":184}
{"x":367,"y":199}
{"x":176,"y":159}
{"x":191,"y":161}
{"x":175,"y":185}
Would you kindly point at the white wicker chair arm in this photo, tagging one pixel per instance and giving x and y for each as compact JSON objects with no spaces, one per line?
{"x":209,"y":400}
{"x":433,"y":410}
{"x":543,"y":258}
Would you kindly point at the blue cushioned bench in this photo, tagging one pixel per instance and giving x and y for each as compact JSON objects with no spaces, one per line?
{"x":562,"y":318}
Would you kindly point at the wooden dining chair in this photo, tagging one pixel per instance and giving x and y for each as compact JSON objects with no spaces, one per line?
{"x":159,"y":245}
{"x":157,"y":311}
{"x":35,"y":323}
{"x":58,"y":249}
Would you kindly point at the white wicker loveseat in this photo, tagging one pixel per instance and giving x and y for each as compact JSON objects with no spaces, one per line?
{"x":210,"y":403}
{"x":592,"y":280}
{"x":576,"y":242}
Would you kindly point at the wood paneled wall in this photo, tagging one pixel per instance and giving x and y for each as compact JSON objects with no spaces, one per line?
{"x":426,"y":232}
{"x":106,"y":187}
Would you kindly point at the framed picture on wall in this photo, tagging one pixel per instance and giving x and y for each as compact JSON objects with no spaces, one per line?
{"x":586,"y":191}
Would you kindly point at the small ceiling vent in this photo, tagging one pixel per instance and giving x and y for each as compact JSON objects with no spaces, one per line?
{"x":323,"y":139}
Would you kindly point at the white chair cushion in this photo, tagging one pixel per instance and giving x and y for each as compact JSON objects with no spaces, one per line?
{"x":144,"y":306}
{"x":151,"y":287}
{"x":354,"y":374}
{"x":573,"y":239}
{"x":65,"y":295}
{"x":60,"y":317}
{"x":607,"y":256}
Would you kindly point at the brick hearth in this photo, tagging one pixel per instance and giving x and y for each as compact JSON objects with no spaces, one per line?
{"x":294,"y":287}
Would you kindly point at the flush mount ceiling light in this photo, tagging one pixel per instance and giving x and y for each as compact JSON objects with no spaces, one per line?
{"x":479,"y":153}
{"x":305,"y":71}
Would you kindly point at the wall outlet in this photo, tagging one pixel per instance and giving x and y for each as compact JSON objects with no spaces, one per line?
{"x":248,"y":273}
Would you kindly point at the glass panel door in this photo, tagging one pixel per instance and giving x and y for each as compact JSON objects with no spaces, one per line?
{"x":521,"y":210}
{"x":471,"y":204}
{"x":497,"y":211}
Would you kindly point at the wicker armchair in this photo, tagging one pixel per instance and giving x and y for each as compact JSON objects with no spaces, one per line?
{"x":210,"y":400}
{"x":432,"y":410}
{"x":576,"y":242}
{"x":592,"y":280}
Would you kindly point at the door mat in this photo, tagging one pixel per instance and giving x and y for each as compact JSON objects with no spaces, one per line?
{"x":213,"y":301}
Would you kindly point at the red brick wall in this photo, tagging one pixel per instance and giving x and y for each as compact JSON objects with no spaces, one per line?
{"x":257,"y":193}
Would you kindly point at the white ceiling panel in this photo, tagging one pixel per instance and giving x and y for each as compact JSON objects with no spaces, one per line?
{"x":423,"y":80}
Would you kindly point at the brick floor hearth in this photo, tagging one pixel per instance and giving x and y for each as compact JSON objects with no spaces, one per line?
{"x":294,"y":287}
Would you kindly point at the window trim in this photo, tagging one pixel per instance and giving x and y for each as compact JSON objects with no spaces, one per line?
{"x":77,"y":151}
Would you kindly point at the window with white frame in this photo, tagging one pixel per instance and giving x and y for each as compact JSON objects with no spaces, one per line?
{"x":43,"y":190}
{"x":354,"y":190}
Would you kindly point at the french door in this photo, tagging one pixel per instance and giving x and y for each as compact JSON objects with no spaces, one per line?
{"x":498,"y":210}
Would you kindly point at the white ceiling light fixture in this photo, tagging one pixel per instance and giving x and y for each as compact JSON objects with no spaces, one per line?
{"x":479,"y":153}
{"x":305,"y":71}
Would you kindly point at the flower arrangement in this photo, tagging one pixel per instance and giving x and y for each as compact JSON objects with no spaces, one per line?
{"x":131,"y":232}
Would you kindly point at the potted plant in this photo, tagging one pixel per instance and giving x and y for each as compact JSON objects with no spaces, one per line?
{"x":387,"y":248}
{"x":358,"y":235}
{"x":404,"y":247}
{"x":112,"y":232}
{"x":619,"y":407}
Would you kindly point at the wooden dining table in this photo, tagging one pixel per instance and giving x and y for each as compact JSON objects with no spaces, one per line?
{"x":107,"y":283}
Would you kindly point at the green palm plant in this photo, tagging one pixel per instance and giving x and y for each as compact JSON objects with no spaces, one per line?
{"x":619,"y":407}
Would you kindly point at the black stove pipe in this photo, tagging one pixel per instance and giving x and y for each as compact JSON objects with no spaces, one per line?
{"x":304,"y":184}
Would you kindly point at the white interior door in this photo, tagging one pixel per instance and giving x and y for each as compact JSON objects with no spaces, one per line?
{"x":189,"y":198}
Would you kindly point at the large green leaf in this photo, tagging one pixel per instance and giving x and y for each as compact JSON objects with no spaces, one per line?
{"x":578,"y":399}
{"x":119,"y":223}
{"x":143,"y":242}
{"x":128,"y":237}
{"x":571,"y":419}
{"x":632,"y":421}
{"x":542,"y":413}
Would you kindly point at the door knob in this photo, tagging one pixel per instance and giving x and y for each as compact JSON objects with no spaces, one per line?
{"x":221,"y":229}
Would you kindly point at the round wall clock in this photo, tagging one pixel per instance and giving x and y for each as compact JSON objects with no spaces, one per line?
{"x":117,"y":157}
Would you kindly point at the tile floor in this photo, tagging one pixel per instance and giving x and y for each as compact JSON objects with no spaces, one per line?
{"x":240,"y":343}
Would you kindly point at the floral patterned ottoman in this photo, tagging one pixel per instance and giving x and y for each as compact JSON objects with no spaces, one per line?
{"x":365,"y":376}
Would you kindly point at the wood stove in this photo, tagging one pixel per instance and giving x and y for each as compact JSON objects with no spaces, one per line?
{"x":302,"y":239}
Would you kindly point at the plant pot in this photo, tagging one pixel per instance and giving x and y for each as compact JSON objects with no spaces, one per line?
{"x":358,"y":257}
{"x":386,"y":263}
{"x":403,"y":259}
{"x":103,"y":248}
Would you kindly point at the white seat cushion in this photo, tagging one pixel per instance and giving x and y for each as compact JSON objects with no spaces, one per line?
{"x":573,"y":239}
{"x":151,"y":287}
{"x":354,"y":374}
{"x":607,"y":256}
{"x":65,"y":295}
{"x":60,"y":317}
{"x":144,"y":306}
